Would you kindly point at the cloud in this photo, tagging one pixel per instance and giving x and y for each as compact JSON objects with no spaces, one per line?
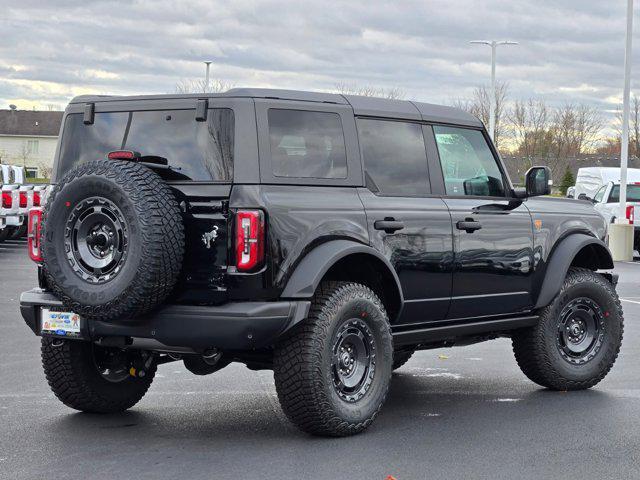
{"x":569,"y":51}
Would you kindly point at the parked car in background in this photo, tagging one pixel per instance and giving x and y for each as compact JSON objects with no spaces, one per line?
{"x":18,"y":197}
{"x":607,"y":201}
{"x":10,"y":202}
{"x":590,"y":179}
{"x":571,"y":192}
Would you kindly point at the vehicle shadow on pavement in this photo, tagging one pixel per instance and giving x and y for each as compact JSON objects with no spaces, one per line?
{"x":441,"y":404}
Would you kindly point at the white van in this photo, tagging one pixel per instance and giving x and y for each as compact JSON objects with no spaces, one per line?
{"x":590,"y":179}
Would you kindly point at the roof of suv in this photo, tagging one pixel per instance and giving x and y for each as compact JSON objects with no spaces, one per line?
{"x":369,"y":106}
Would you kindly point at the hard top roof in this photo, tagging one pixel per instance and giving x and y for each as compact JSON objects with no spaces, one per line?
{"x":367,"y":106}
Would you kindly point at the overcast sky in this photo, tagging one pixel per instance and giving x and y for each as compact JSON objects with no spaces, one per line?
{"x":570,"y":50}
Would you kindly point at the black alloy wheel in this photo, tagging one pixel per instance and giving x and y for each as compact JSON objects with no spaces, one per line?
{"x":96,"y":238}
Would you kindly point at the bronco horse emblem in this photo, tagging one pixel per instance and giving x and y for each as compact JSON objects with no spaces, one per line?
{"x":210,"y":237}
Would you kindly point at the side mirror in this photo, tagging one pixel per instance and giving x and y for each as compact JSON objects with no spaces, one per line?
{"x":538,"y":181}
{"x":583,"y":196}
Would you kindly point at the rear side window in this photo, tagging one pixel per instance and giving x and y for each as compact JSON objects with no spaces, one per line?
{"x":394,"y":155}
{"x":199,"y":151}
{"x":307,"y":144}
{"x":468,"y":165}
{"x":633,"y":194}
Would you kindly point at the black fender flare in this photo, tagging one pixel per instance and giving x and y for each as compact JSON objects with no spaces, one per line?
{"x":560,"y":260}
{"x":309,"y":273}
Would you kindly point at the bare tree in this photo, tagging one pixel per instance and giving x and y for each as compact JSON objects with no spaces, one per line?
{"x":216,"y":85}
{"x":479,"y":105}
{"x":24,"y":154}
{"x":634,"y":125}
{"x":51,"y":107}
{"x":45,"y":170}
{"x":529,"y":122}
{"x":393,"y":93}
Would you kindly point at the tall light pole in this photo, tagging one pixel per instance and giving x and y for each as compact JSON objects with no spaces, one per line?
{"x":206,"y":78}
{"x":624,"y":144}
{"x":492,"y":98}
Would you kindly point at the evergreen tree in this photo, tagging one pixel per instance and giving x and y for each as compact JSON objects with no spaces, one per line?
{"x":568,"y":180}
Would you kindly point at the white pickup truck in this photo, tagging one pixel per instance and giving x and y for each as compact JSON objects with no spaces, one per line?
{"x":607,"y":201}
{"x":17,"y":198}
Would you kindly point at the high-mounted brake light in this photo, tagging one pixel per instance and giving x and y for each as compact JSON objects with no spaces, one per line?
{"x":23,"y":200}
{"x":36,"y":199}
{"x":122,"y":155}
{"x":7,"y":200}
{"x":249,"y":239}
{"x":630,"y":213}
{"x":34,"y":227}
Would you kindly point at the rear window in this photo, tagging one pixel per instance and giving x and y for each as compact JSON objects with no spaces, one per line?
{"x":199,"y":151}
{"x":307,"y":144}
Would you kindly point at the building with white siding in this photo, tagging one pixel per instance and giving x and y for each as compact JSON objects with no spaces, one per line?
{"x":29,"y":138}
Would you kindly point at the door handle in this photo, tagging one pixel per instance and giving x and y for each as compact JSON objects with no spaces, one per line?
{"x":469,"y":225}
{"x":389,"y":225}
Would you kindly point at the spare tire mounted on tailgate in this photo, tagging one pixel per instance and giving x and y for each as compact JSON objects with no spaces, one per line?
{"x":114,"y":239}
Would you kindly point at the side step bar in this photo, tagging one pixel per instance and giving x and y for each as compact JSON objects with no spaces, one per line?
{"x":450,"y":332}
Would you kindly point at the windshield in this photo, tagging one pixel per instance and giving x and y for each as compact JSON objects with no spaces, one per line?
{"x":200,"y":151}
{"x":633,"y":194}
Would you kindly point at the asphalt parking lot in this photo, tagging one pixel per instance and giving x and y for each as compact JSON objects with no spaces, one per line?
{"x":456,"y":413}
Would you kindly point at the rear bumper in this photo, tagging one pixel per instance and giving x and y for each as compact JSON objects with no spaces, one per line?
{"x":13,"y":220}
{"x":233,"y":326}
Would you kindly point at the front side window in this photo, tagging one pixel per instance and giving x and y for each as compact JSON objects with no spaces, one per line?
{"x":394,"y":156}
{"x":468,"y":165}
{"x":307,"y":144}
{"x":199,"y":151}
{"x":599,"y":194}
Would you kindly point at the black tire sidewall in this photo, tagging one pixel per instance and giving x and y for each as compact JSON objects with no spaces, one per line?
{"x":367,"y":311}
{"x":605,"y":357}
{"x":58,"y":265}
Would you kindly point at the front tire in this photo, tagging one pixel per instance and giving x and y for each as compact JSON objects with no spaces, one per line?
{"x":400,"y":357}
{"x":80,"y":378}
{"x":332,"y":372}
{"x":578,"y":336}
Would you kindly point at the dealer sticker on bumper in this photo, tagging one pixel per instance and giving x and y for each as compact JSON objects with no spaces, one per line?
{"x":65,"y":324}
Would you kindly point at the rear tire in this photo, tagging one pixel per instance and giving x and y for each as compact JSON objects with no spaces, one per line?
{"x":578,"y":336}
{"x":4,"y":233}
{"x":19,"y":232}
{"x":332,"y":371}
{"x":74,"y":377}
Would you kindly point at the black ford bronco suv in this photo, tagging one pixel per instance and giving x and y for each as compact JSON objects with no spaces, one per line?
{"x":324,"y":236}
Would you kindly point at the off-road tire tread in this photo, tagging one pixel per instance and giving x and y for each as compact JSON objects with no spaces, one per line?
{"x":62,"y":369}
{"x":529,"y":345}
{"x":163,"y":239}
{"x":298,"y":364}
{"x":401,"y":357}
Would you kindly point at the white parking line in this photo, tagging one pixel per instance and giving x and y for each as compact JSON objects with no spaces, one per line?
{"x":630,"y":301}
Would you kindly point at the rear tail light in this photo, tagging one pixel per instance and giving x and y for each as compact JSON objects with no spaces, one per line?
{"x":7,"y":200}
{"x":33,"y":234}
{"x":249,"y":239}
{"x":36,"y":199}
{"x":122,"y":155}
{"x":630,"y":213}
{"x":23,"y":199}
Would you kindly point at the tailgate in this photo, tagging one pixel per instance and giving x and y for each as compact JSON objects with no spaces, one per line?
{"x":203,"y":280}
